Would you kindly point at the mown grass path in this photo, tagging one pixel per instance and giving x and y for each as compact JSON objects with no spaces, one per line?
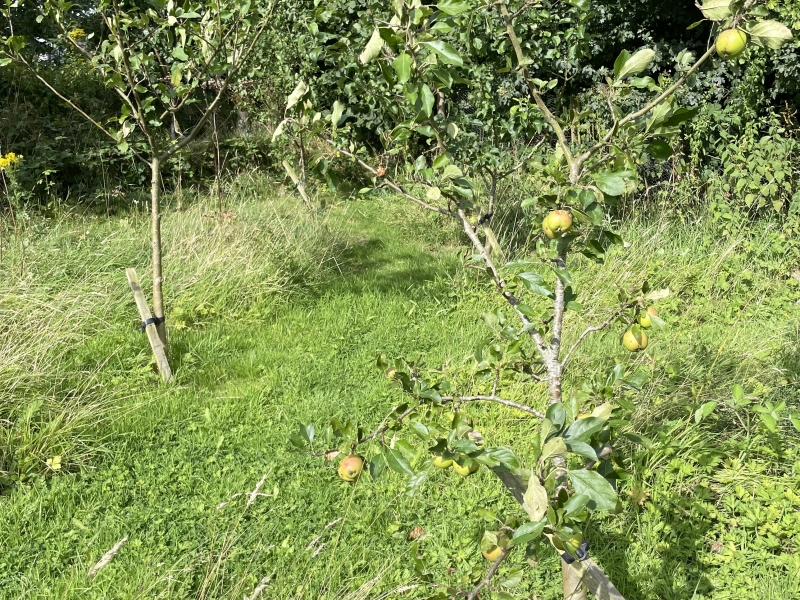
{"x":247,"y":377}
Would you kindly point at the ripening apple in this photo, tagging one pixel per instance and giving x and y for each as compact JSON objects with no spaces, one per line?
{"x":731,"y":43}
{"x":350,"y":467}
{"x":442,"y":463}
{"x":467,"y":469}
{"x":652,"y":311}
{"x":635,"y":339}
{"x":558,"y":222}
{"x":493,"y":552}
{"x":644,"y":320}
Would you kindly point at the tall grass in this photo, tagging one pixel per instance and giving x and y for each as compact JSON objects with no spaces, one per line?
{"x":63,"y":287}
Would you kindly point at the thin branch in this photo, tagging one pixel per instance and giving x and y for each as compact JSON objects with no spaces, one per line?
{"x":589,"y":330}
{"x":384,"y":428}
{"x":391,"y":184}
{"x":217,"y":99}
{"x":524,"y":7}
{"x":489,"y":574}
{"x":496,"y":400}
{"x":548,"y":116}
{"x":646,"y":109}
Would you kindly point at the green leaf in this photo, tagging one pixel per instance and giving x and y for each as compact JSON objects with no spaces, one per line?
{"x":660,"y":149}
{"x":376,"y":466}
{"x":535,"y":501}
{"x":425,"y":101}
{"x":770,"y":34}
{"x":179,"y":53}
{"x":636,"y":63}
{"x":279,"y":129}
{"x":402,"y":67}
{"x":533,"y":282}
{"x":122,"y":146}
{"x":453,"y":7}
{"x":527,"y":533}
{"x":555,"y":447}
{"x":419,"y":429}
{"x":373,"y":47}
{"x":639,"y":439}
{"x":576,"y":504}
{"x":769,"y":422}
{"x":397,"y":462}
{"x":502,"y":455}
{"x":716,"y":10}
{"x":452,"y":130}
{"x":297,"y":94}
{"x":564,"y":275}
{"x":795,"y":419}
{"x":583,"y":429}
{"x":336,"y":114}
{"x":452,"y":172}
{"x":621,"y":60}
{"x":601,"y":495}
{"x":610,"y":183}
{"x":446,"y":52}
{"x":705,"y":410}
{"x":582,"y":449}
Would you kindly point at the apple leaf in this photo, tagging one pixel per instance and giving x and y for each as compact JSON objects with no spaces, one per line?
{"x":453,"y":7}
{"x":535,"y":500}
{"x":637,"y":63}
{"x":660,"y":149}
{"x":397,"y":462}
{"x":583,"y":429}
{"x":555,"y":447}
{"x":534,"y":283}
{"x":336,"y":114}
{"x":402,"y":67}
{"x":373,"y":47}
{"x":610,"y":183}
{"x":445,"y":52}
{"x":716,"y":10}
{"x":299,"y":91}
{"x":528,"y":532}
{"x":576,"y":504}
{"x":582,"y":449}
{"x":601,"y":495}
{"x":621,"y":60}
{"x":770,"y":34}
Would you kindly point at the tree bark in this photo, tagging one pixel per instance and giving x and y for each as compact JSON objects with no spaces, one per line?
{"x":155,"y":242}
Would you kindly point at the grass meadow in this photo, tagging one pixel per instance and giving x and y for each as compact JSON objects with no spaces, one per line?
{"x":276,"y":316}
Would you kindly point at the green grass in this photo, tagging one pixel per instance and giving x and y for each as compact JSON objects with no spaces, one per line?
{"x":277,"y":318}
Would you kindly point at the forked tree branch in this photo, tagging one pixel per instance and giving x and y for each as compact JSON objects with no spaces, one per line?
{"x":489,"y":574}
{"x":497,"y":400}
{"x":589,"y":330}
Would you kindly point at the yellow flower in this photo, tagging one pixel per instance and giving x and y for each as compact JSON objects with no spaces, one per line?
{"x":8,"y":160}
{"x":77,"y":34}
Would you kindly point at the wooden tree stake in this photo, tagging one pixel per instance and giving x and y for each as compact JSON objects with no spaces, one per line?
{"x":586,"y":571}
{"x":298,"y":183}
{"x":152,"y":333}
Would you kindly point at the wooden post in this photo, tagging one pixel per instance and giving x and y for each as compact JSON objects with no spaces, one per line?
{"x":152,"y":333}
{"x":585,"y":571}
{"x":298,"y":183}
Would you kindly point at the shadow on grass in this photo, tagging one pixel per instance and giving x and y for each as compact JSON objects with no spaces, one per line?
{"x":373,"y":265}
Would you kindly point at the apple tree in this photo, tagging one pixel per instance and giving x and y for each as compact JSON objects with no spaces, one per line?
{"x":170,"y":65}
{"x":417,"y":54}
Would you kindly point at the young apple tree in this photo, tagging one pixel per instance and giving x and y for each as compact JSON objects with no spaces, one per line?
{"x":417,"y":54}
{"x":170,"y":65}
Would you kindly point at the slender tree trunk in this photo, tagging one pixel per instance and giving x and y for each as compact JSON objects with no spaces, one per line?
{"x":155,"y":241}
